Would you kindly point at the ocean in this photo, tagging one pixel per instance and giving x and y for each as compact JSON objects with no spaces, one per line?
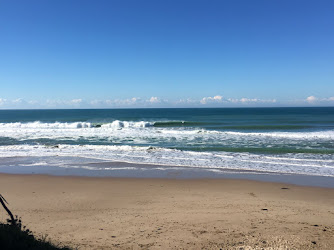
{"x":172,"y":142}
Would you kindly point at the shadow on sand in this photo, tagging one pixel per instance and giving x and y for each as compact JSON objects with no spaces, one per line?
{"x":13,"y":235}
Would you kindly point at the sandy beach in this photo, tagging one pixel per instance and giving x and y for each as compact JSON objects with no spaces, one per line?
{"x":109,"y":213}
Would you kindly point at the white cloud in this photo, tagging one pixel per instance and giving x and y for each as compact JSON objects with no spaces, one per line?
{"x":233,"y":100}
{"x":76,"y":101}
{"x":18,"y":101}
{"x":186,"y":101}
{"x":134,"y":100}
{"x":311,"y":99}
{"x":320,"y":101}
{"x":58,"y":103}
{"x":2,"y":101}
{"x":116,"y":102}
{"x":218,"y":98}
{"x":32,"y":102}
{"x":213,"y":99}
{"x":131,"y":101}
{"x":154,"y":100}
{"x":244,"y":100}
{"x":95,"y":102}
{"x":255,"y":100}
{"x":108,"y":102}
{"x":53,"y":102}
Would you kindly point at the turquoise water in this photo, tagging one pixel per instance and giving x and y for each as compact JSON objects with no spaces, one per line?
{"x":281,"y":140}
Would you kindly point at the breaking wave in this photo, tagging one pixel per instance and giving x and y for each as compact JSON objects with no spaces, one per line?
{"x":75,"y":125}
{"x":322,"y":165}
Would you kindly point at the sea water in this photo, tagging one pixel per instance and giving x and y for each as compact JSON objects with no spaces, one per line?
{"x":211,"y":140}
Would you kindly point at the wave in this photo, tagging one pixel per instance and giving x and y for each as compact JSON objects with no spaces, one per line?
{"x":127,"y":124}
{"x":146,"y":133}
{"x":115,"y":124}
{"x":327,"y":134}
{"x":264,"y":127}
{"x":69,"y":155}
{"x":41,"y":125}
{"x":75,"y":125}
{"x":168,"y":124}
{"x":271,"y":150}
{"x":176,"y":127}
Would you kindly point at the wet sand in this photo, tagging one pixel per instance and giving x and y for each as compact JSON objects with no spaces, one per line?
{"x":125,"y":213}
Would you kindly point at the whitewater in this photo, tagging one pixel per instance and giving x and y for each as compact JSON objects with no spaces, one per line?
{"x":212,"y":140}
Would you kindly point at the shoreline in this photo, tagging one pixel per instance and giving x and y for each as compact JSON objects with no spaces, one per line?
{"x":147,"y":171}
{"x":122,"y":213}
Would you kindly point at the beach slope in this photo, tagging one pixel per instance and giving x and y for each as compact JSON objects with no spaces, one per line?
{"x":104,"y":213}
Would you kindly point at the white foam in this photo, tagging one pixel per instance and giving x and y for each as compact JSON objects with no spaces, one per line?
{"x":122,"y":168}
{"x":143,"y":132}
{"x":296,"y":159}
{"x":40,"y":125}
{"x":289,"y":135}
{"x":73,"y":125}
{"x":126,"y":124}
{"x":289,"y":163}
{"x":42,"y":163}
{"x":172,"y":157}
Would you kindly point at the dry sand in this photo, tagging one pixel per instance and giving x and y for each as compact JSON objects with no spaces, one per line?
{"x":109,"y":213}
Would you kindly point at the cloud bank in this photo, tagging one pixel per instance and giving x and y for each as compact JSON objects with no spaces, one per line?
{"x":316,"y":100}
{"x":157,"y":102}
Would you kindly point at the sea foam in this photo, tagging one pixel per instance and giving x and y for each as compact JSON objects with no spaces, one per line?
{"x":322,"y":165}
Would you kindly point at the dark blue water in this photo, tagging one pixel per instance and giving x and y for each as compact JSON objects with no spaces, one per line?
{"x":228,"y":118}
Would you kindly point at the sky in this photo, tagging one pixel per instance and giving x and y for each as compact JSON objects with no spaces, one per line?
{"x":184,"y":53}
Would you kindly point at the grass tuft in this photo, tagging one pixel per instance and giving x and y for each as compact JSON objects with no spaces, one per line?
{"x":13,"y":235}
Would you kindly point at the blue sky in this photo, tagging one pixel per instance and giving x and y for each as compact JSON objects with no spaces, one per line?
{"x":65,"y":54}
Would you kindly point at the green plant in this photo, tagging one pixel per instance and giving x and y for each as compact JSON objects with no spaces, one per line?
{"x":13,"y":235}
